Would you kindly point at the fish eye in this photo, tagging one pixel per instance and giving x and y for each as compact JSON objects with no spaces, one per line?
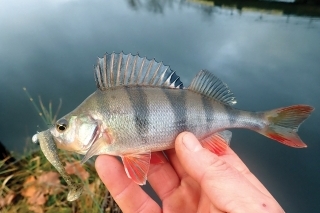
{"x":62,"y":125}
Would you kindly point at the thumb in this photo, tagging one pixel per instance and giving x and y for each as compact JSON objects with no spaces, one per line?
{"x":198,"y":161}
{"x":226,"y":187}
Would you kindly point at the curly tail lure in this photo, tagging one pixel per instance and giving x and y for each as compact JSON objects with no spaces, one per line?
{"x":49,"y":149}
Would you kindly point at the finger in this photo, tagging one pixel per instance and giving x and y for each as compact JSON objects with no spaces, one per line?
{"x":177,"y":195}
{"x":128,"y":195}
{"x":163,"y":178}
{"x":174,"y":161}
{"x":224,"y":185}
{"x":205,"y":205}
{"x":232,"y":158}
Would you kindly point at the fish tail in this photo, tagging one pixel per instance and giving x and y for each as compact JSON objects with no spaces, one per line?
{"x":283,"y":123}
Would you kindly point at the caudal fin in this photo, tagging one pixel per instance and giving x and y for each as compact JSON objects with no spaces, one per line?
{"x":283,"y":124}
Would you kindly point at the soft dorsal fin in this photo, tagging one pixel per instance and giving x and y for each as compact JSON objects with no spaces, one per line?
{"x":209,"y":85}
{"x":120,"y":69}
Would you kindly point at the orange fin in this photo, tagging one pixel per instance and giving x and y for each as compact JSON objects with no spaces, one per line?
{"x":284,"y":123}
{"x":157,"y":158}
{"x":218,"y":142}
{"x":137,"y":166}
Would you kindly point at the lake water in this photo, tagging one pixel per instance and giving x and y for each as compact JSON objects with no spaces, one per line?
{"x":269,"y":59}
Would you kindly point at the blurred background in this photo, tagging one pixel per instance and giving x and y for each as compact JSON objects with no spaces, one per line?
{"x":268,"y":52}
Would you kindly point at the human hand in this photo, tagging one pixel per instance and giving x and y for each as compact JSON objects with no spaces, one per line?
{"x":193,"y":179}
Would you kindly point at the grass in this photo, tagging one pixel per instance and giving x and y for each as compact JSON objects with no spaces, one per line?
{"x":31,"y":184}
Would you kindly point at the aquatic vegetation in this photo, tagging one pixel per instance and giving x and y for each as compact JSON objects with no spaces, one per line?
{"x":46,"y":114}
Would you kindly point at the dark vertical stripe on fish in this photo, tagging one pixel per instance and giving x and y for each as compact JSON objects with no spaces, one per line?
{"x":208,"y":110}
{"x":139,"y":102}
{"x":98,"y":96}
{"x":177,"y":100}
{"x":233,"y":114}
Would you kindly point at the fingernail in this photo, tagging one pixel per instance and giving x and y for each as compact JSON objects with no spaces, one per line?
{"x":191,"y":143}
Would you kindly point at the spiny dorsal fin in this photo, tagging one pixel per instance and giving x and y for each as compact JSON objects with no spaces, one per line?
{"x":209,"y":85}
{"x":120,"y":69}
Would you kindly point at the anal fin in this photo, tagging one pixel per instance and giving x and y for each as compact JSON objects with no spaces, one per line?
{"x":218,"y":142}
{"x":157,"y":158}
{"x":137,"y":166}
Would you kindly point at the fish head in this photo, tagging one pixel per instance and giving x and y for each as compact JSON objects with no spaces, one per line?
{"x":76,"y":133}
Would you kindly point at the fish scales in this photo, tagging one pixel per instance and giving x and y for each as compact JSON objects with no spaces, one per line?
{"x":141,"y":106}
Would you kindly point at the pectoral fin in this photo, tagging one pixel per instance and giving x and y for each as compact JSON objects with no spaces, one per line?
{"x":137,"y":166}
{"x":218,"y":142}
{"x":95,"y":149}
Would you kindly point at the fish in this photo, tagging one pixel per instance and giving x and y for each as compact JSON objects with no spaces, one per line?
{"x":141,"y":105}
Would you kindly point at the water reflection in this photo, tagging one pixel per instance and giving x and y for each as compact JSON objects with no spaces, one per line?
{"x":150,"y":5}
{"x":309,"y":8}
{"x":267,"y":60}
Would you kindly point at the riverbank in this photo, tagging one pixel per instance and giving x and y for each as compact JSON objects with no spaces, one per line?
{"x":31,"y":184}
